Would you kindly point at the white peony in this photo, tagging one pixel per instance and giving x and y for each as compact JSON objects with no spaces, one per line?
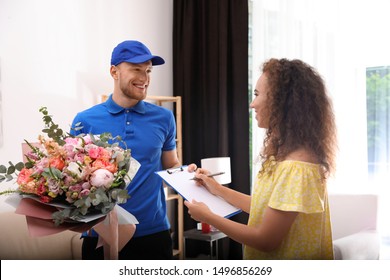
{"x":102,"y":178}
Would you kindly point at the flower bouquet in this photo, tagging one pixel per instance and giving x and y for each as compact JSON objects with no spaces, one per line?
{"x":72,"y":182}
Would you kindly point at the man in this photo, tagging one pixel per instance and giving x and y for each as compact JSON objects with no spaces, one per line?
{"x":150,"y":132}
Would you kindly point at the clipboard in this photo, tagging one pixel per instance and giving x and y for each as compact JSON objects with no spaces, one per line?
{"x":180,"y":180}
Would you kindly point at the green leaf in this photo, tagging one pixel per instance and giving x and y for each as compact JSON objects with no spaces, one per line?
{"x":60,"y":216}
{"x":9,"y":177}
{"x":59,"y":132}
{"x":11,"y":170}
{"x":47,"y":119}
{"x":79,"y":203}
{"x":43,"y":110}
{"x":51,"y":172}
{"x":29,"y":165}
{"x":83,"y":210}
{"x":3,"y":169}
{"x":19,"y":166}
{"x":123,"y":196}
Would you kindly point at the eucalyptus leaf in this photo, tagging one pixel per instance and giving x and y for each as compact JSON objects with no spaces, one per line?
{"x":3,"y":169}
{"x":51,"y":172}
{"x":79,"y":203}
{"x":11,"y":170}
{"x":19,"y":166}
{"x":83,"y":210}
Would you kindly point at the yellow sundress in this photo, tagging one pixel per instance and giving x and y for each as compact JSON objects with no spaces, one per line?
{"x":294,"y":186}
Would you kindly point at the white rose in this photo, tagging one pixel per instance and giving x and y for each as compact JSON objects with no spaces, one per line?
{"x":74,"y":170}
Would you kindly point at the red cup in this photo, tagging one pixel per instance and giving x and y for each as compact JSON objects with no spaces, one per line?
{"x":206,"y":228}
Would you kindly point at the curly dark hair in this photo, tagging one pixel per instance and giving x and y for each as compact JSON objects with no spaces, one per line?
{"x":300,"y":113}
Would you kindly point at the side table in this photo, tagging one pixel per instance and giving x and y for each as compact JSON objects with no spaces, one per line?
{"x":211,"y":237}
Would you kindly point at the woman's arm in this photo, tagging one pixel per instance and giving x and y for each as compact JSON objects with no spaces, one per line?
{"x":238,"y":199}
{"x":265,"y":237}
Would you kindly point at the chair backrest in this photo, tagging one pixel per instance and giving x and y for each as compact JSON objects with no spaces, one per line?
{"x":352,"y":213}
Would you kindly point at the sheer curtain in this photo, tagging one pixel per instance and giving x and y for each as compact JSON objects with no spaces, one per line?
{"x":340,"y":38}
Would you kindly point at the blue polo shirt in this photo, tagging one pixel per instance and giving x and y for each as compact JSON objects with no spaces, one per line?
{"x":148,"y":130}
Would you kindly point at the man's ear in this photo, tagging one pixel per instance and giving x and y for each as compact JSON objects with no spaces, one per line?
{"x":114,"y":71}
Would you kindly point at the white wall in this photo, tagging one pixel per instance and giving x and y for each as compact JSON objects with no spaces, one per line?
{"x":56,"y":53}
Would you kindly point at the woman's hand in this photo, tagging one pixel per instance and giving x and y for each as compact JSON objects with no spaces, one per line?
{"x":208,"y":182}
{"x":198,"y":210}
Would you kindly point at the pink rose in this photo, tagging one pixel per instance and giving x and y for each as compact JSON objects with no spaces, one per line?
{"x":84,"y":193}
{"x":72,"y":146}
{"x":102,"y":178}
{"x":72,"y":141}
{"x":76,"y":188}
{"x":86,"y":186}
{"x":94,"y":153}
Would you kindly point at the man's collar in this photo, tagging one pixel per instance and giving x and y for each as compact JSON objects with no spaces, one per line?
{"x":114,"y":108}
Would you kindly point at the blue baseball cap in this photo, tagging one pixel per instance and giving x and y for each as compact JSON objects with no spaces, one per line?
{"x":133,"y":52}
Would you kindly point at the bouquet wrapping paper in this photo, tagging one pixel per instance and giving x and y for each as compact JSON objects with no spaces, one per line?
{"x":74,"y":182}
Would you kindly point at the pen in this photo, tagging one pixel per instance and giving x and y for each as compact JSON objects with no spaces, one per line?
{"x":210,"y":175}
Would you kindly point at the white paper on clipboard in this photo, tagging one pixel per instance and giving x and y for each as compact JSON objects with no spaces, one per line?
{"x":180,"y":180}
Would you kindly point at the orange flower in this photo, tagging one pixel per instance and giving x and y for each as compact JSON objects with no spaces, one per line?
{"x":25,"y":176}
{"x":98,"y":164}
{"x":57,"y":162}
{"x":30,"y":187}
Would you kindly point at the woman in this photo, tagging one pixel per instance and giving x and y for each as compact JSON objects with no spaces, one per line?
{"x":288,"y":209}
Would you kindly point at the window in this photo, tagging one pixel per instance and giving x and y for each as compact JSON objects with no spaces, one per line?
{"x":378,"y":122}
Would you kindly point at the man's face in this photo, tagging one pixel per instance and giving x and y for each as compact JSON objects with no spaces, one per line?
{"x":134,"y":79}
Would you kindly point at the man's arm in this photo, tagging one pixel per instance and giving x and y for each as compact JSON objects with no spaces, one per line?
{"x":169,"y":159}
